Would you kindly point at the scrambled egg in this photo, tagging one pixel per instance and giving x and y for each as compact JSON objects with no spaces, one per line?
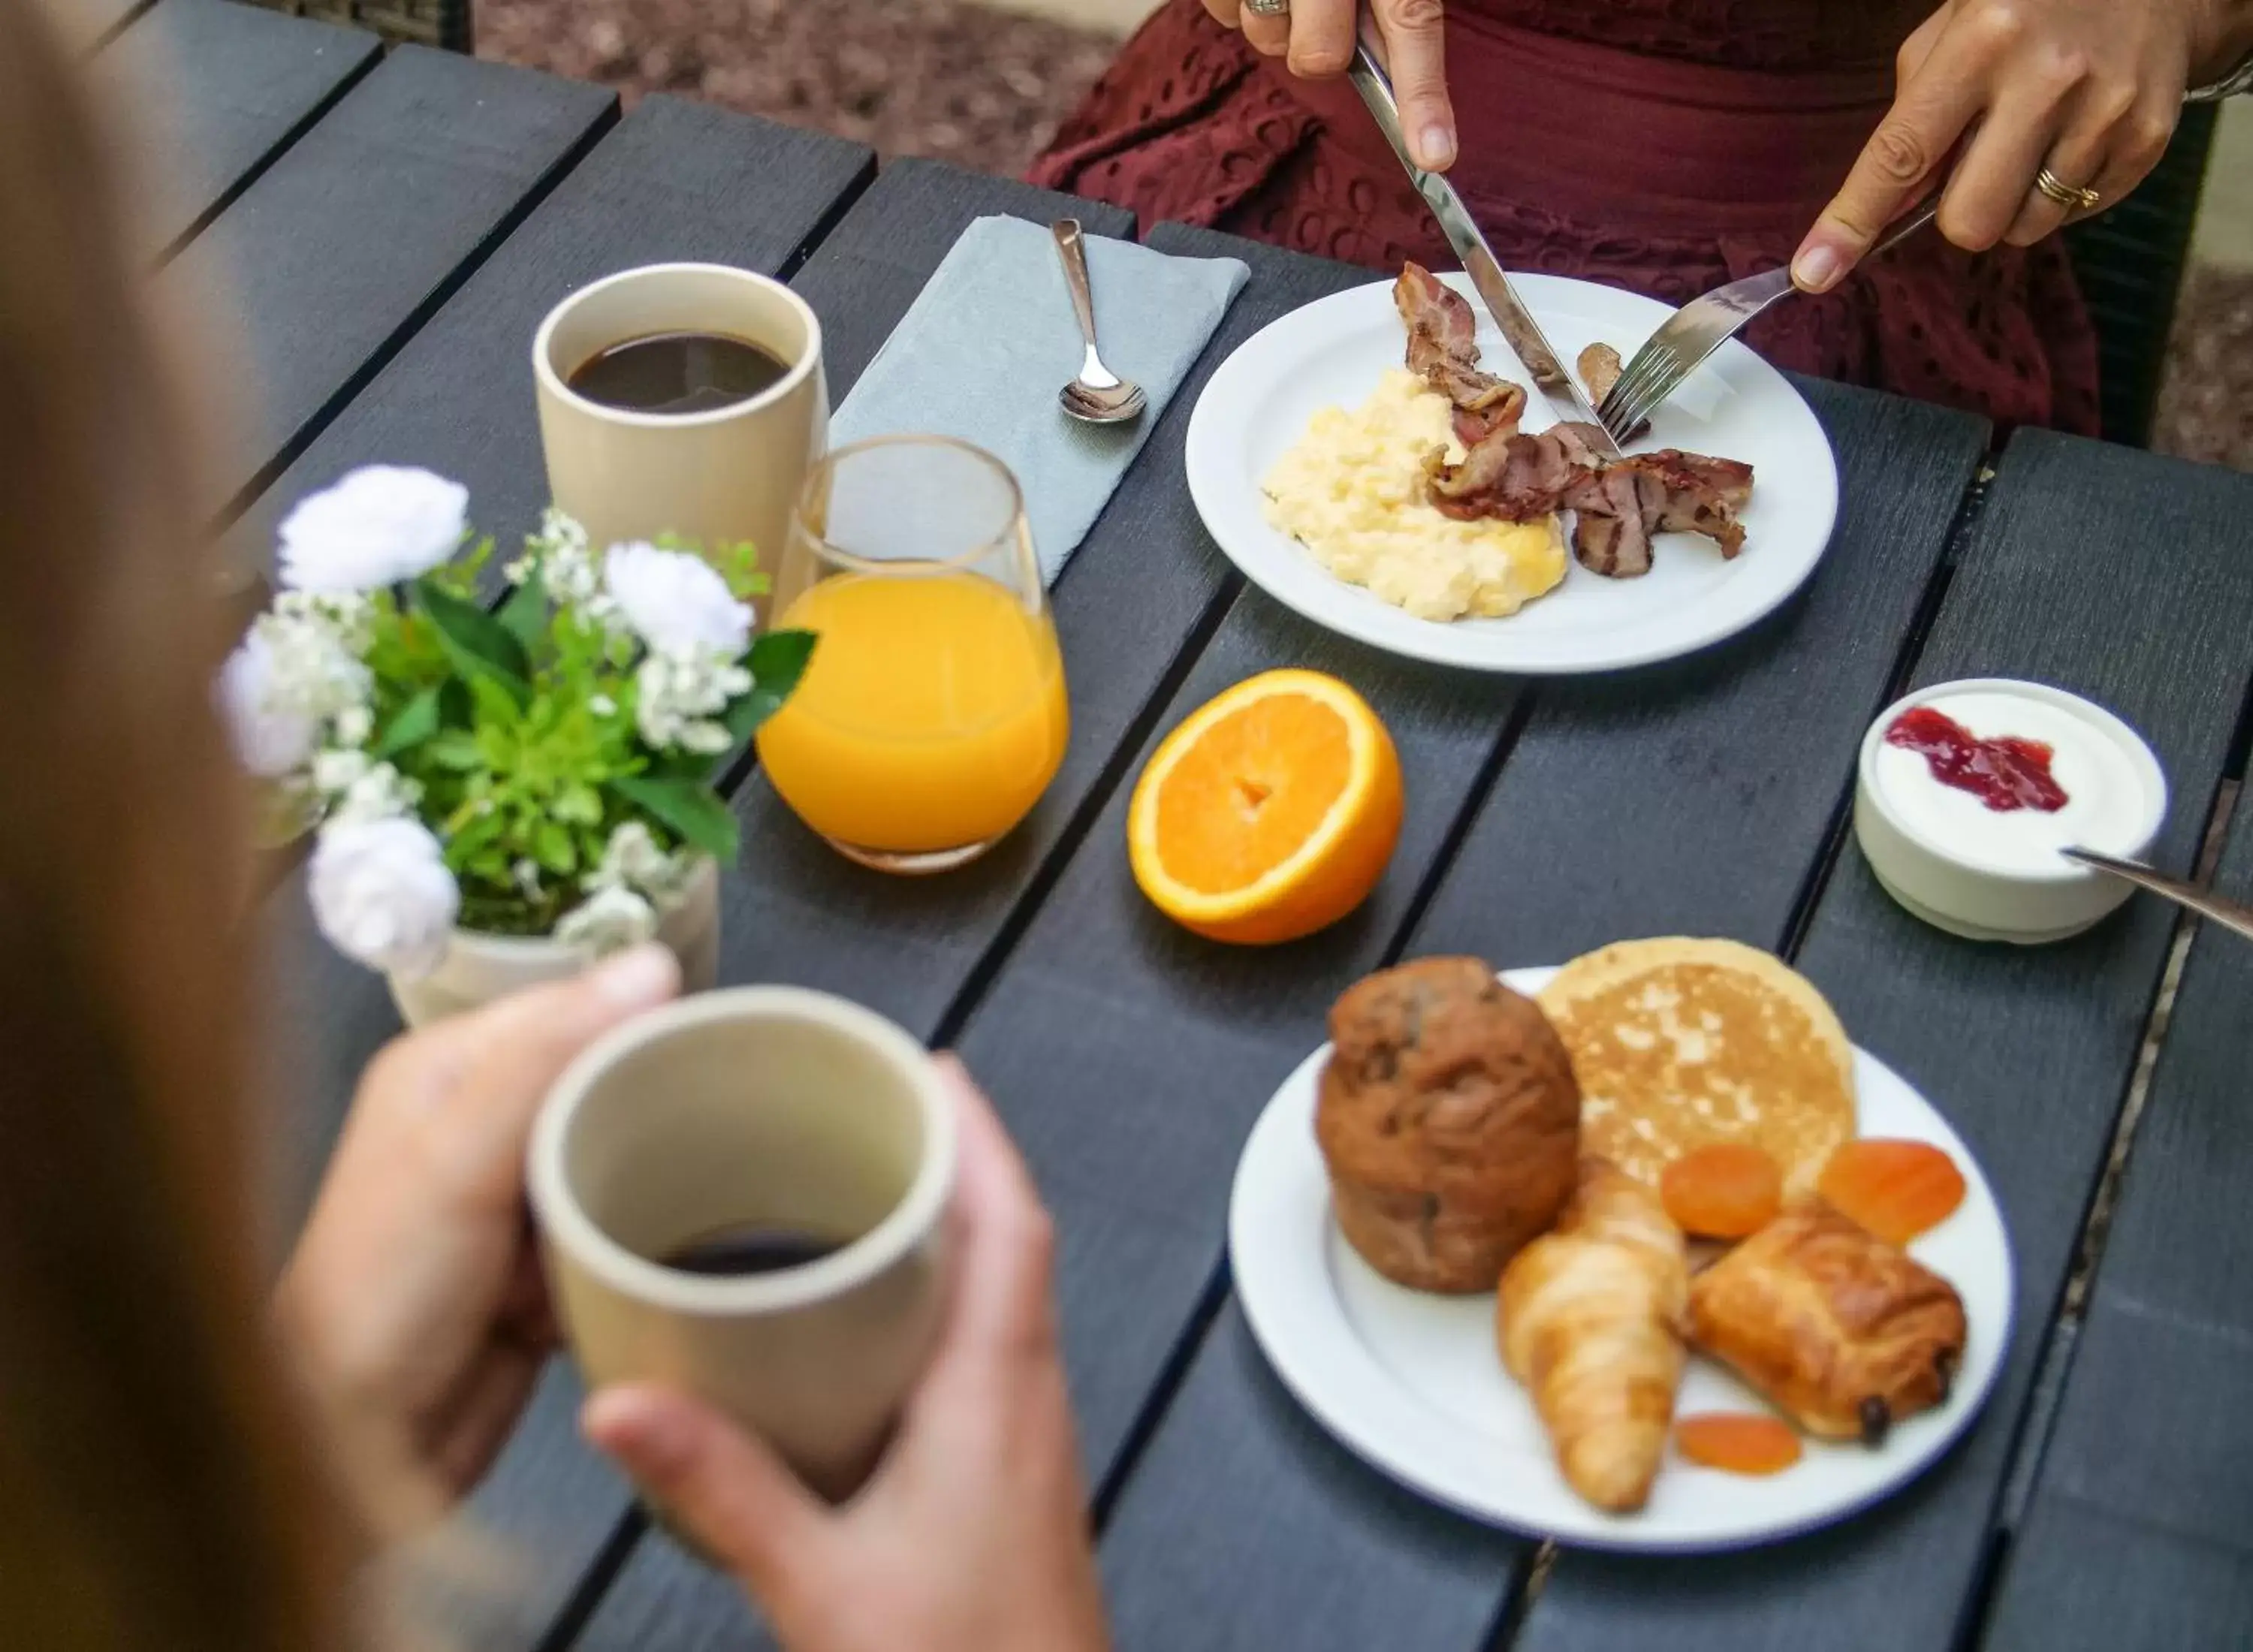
{"x":1352,"y":492}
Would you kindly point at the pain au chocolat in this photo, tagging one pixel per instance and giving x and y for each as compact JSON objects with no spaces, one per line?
{"x":1845,"y":1334}
{"x":1449,"y":1120}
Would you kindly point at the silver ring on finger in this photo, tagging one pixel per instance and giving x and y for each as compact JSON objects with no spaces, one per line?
{"x":2054,"y":188}
{"x":1268,"y":8}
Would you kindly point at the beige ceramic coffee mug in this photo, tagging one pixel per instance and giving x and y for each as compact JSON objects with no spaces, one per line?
{"x":766,"y":1105}
{"x":718,"y":476}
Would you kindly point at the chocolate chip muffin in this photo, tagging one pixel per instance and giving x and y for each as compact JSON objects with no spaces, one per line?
{"x":1450,"y":1122}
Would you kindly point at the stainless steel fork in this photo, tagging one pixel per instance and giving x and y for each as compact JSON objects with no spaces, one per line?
{"x":1702,"y":326}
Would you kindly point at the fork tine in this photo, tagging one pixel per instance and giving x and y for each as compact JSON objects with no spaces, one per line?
{"x":1631,"y":377}
{"x":1650,"y":362}
{"x":1654,"y":375}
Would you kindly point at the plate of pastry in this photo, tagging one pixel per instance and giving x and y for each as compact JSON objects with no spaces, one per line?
{"x":1641,"y":1253}
{"x":1373,"y":460}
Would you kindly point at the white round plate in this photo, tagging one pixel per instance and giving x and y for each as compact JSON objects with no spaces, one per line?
{"x":1331,"y":353}
{"x":1413,"y":1383}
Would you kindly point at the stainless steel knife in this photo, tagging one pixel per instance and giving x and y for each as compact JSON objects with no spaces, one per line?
{"x":1558,"y":386}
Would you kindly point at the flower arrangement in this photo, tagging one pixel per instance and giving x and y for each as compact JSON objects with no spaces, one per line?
{"x":545,"y":768}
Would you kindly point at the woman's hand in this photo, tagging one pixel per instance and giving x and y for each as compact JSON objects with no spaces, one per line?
{"x":2091,"y":90}
{"x":973,"y":1535}
{"x":1314,"y":38}
{"x":415,"y":1303}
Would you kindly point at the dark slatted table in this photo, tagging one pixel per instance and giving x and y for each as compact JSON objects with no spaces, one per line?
{"x":375,"y":238}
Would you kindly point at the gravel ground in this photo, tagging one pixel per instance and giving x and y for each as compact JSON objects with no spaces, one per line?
{"x":939,"y":78}
{"x":2205,"y":405}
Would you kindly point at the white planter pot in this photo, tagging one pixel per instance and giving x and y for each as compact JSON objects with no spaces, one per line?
{"x":478,"y":968}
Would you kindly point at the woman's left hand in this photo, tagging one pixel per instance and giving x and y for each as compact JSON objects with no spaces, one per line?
{"x":414,"y":1303}
{"x":2091,"y":90}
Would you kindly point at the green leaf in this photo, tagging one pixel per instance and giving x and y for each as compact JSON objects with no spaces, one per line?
{"x":694,"y":814}
{"x":553,"y":847}
{"x":411,"y":725}
{"x":497,"y":708}
{"x":480,"y":646}
{"x":777,"y":662}
{"x":579,"y":804}
{"x":455,"y":749}
{"x":524,"y":615}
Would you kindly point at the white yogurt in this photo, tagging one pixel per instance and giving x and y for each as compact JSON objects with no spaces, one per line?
{"x":2109,"y":806}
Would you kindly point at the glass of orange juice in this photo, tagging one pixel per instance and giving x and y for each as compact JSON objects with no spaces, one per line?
{"x":932,"y":715}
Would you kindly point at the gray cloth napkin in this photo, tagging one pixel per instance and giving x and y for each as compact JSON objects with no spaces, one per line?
{"x":986,"y":346}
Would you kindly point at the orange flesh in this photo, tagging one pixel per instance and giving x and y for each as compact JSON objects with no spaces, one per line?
{"x":1737,"y":1442}
{"x":1253,"y":789}
{"x":1724,"y":1191}
{"x":1896,"y":1189}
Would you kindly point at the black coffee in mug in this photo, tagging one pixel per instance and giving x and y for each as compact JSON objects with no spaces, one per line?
{"x":678,"y":373}
{"x":751,"y":1247}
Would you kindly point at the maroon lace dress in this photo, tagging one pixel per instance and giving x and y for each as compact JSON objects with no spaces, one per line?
{"x":1665,"y":146}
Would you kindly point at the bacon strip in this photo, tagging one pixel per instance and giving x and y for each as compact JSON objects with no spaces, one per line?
{"x":1442,"y":351}
{"x":1618,"y":504}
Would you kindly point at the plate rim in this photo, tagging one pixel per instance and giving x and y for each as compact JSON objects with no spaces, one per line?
{"x":1595,"y":1530}
{"x":1199,"y":442}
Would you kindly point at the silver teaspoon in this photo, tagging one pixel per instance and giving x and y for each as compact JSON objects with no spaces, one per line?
{"x":2228,"y":914}
{"x":1098,"y":395}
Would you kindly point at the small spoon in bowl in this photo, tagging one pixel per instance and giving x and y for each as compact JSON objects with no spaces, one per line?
{"x":1098,"y":395}
{"x":2206,"y":904}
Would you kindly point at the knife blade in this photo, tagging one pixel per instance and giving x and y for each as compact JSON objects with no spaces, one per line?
{"x":1558,"y":386}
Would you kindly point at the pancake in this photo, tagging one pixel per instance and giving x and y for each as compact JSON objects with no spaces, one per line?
{"x":1680,"y":1043}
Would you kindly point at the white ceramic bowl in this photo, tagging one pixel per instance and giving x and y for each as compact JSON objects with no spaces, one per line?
{"x":1947,"y":884}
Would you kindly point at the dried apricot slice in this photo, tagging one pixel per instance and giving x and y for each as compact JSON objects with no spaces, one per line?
{"x":1896,"y":1189}
{"x":1724,"y":1191}
{"x":1737,"y":1442}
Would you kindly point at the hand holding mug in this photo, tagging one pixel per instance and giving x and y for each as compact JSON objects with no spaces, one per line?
{"x":414,"y":1302}
{"x":972,"y":1536}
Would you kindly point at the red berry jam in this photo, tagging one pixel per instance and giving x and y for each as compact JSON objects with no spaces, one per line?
{"x":2005,"y":773}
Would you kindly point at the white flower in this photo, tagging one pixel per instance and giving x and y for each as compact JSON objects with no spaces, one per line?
{"x":336,"y":771}
{"x":272,"y":736}
{"x":315,"y":672}
{"x":381,"y":523}
{"x":526,"y":873}
{"x":608,"y":921}
{"x":680,"y":694}
{"x":347,"y":617}
{"x":383,"y":894}
{"x":602,"y":705}
{"x":676,"y":602}
{"x":354,"y":725}
{"x":378,"y":793}
{"x":631,"y":859}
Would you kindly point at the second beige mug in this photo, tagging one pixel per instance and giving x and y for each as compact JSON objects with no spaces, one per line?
{"x":760,"y":1111}
{"x":718,"y":476}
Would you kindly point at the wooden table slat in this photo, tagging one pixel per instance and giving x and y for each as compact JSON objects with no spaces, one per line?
{"x":674,"y":182}
{"x":217,"y":90}
{"x":350,"y":240}
{"x":2028,"y":1050}
{"x":1649,"y":803}
{"x":2141,"y":1529}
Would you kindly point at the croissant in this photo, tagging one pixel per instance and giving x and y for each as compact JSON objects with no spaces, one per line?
{"x":1592,"y":1323}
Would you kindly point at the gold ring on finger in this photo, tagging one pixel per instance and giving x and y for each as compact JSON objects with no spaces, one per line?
{"x":2085,"y":200}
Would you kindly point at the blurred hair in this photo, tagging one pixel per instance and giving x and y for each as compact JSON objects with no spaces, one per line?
{"x":155,"y":1489}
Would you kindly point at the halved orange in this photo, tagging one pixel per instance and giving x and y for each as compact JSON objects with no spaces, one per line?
{"x":1270,"y":812}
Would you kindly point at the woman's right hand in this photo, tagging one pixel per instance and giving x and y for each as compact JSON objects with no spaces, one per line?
{"x":1314,"y":38}
{"x":972,"y":1536}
